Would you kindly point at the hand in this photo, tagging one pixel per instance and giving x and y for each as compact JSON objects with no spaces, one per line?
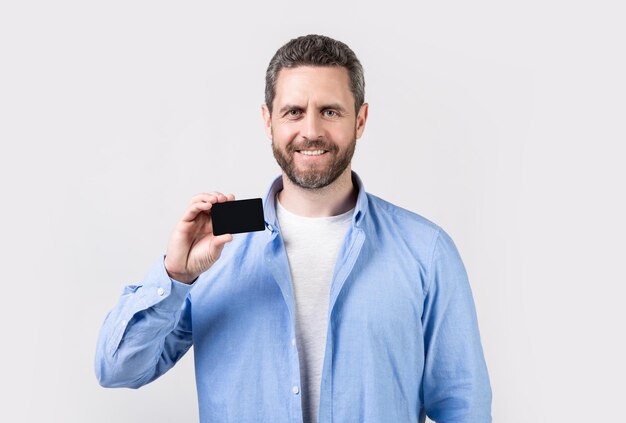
{"x":192,"y":247}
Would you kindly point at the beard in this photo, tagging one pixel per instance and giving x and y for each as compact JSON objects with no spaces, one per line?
{"x":315,"y":175}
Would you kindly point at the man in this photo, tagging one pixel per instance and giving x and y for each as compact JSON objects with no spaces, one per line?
{"x":345,"y":309}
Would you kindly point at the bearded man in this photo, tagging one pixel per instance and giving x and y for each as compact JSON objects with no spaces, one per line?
{"x":346,"y":308}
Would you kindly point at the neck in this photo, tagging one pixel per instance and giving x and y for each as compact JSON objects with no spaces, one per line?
{"x":331,"y":200}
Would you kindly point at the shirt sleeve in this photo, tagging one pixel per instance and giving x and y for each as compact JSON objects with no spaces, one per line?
{"x":456,"y":384}
{"x":146,"y":333}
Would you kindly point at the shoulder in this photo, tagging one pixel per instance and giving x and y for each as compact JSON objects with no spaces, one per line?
{"x":427,"y":241}
{"x":404,"y":227}
{"x":398,"y":218}
{"x":410,"y":227}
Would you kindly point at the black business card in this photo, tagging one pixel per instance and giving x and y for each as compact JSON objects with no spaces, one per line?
{"x":232,"y":217}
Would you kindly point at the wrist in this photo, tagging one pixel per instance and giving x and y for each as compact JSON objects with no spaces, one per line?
{"x":186,"y":279}
{"x":180,"y":277}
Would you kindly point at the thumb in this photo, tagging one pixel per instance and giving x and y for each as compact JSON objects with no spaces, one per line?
{"x":223,"y":239}
{"x":220,"y":240}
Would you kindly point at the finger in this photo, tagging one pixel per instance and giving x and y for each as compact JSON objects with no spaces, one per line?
{"x":195,"y":209}
{"x":208,"y":197}
{"x":222,"y":198}
{"x":218,"y":244}
{"x":231,"y":197}
{"x":212,"y":197}
{"x":222,"y":239}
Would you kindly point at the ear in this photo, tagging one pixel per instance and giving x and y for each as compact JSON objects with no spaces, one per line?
{"x":267,"y":120}
{"x":361,"y":118}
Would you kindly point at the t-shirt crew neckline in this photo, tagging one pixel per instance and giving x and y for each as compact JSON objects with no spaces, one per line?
{"x":336,"y":218}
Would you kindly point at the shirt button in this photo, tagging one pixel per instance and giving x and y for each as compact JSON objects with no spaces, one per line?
{"x":160,"y":292}
{"x":293,"y":341}
{"x":123,"y":322}
{"x":295,"y":390}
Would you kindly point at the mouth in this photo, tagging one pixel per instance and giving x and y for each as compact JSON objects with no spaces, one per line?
{"x":312,"y":153}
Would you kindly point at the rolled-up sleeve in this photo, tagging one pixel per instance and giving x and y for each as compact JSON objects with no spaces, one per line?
{"x":456,"y":384}
{"x":146,"y":333}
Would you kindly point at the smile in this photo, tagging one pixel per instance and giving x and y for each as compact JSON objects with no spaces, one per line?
{"x":312,"y":153}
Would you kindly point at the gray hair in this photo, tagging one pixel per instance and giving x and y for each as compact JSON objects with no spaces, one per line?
{"x":315,"y":50}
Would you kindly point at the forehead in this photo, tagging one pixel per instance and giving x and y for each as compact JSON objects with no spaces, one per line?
{"x":305,"y":83}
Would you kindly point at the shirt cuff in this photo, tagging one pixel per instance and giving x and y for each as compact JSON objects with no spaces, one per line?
{"x":162,"y":292}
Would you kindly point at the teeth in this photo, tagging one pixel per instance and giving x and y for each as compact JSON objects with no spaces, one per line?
{"x":312,"y":153}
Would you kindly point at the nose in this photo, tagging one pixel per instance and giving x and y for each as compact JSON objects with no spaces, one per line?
{"x":312,"y":126}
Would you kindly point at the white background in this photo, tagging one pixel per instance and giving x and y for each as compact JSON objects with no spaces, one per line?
{"x":503,"y":122}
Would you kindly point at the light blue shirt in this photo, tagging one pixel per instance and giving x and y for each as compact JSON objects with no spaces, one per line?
{"x":402,"y":340}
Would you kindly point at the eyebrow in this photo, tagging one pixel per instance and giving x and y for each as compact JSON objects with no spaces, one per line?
{"x":335,"y":106}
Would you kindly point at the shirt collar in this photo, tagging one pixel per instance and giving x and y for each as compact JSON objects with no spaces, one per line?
{"x":269,"y":204}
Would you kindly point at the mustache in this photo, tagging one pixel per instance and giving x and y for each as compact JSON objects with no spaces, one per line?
{"x":311,"y":145}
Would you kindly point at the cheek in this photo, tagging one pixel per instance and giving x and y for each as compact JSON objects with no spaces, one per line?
{"x":284,"y":133}
{"x":343,"y":133}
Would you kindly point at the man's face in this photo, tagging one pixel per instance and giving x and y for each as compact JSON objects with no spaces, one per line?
{"x":313,"y":126}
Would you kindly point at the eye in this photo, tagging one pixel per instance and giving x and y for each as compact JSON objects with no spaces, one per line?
{"x":293,"y":113}
{"x":330,"y":113}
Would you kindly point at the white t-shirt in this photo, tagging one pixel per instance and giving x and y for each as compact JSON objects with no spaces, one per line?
{"x":312,"y":245}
